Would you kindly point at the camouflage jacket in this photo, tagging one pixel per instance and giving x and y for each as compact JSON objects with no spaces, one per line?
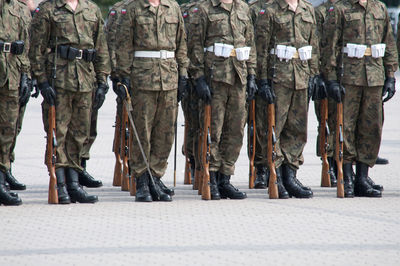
{"x":82,"y":29}
{"x":215,"y":23}
{"x":13,"y":27}
{"x":110,"y":30}
{"x":143,"y":28}
{"x":349,"y":22}
{"x":277,"y":24}
{"x":255,"y":8}
{"x":398,"y":38}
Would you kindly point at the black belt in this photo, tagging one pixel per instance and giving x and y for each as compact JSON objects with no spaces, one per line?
{"x":16,"y":47}
{"x":71,"y":53}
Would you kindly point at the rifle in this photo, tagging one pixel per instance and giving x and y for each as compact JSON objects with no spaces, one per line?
{"x":117,"y":181}
{"x":125,"y":149}
{"x":205,"y":152}
{"x":132,"y":183}
{"x":175,"y":145}
{"x":188,"y":173}
{"x":339,"y":134}
{"x":323,"y":142}
{"x":52,"y":140}
{"x":271,"y":153}
{"x":251,"y":139}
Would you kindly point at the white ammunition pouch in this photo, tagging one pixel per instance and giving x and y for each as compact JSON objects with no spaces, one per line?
{"x":227,"y":50}
{"x":284,"y":52}
{"x":361,"y":50}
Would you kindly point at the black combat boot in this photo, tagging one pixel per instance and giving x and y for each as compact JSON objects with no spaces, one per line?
{"x":85,"y":179}
{"x":294,"y":188}
{"x":5,"y":197}
{"x":142,"y":189}
{"x":373,"y":185}
{"x":297,"y":180}
{"x":227,"y":190}
{"x":332,"y":172}
{"x":63,"y":197}
{"x":156,"y":192}
{"x":283,"y":194}
{"x":192,"y":168}
{"x":164,"y":188}
{"x":13,"y":182}
{"x":361,"y":186}
{"x":380,"y":160}
{"x":214,"y":186}
{"x":261,"y":177}
{"x":348,"y":180}
{"x":75,"y":190}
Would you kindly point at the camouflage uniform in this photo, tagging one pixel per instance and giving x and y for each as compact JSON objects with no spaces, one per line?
{"x":217,"y":22}
{"x":398,"y":38}
{"x":13,"y":27}
{"x":154,"y":80}
{"x":296,"y":29}
{"x":350,"y":22}
{"x":76,"y":79}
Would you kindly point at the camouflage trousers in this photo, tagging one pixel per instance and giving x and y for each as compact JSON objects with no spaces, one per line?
{"x":92,"y":132}
{"x":154,"y":114}
{"x":362,"y":122}
{"x":228,"y":117}
{"x":261,"y":134}
{"x":290,"y":125}
{"x":331,"y":125}
{"x":73,"y":110}
{"x":9,"y":109}
{"x":190,"y":111}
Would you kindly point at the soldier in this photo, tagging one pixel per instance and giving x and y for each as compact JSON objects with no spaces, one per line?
{"x":222,"y":69}
{"x":152,"y":64}
{"x":285,"y":29}
{"x":74,"y":30}
{"x":359,"y":32}
{"x":14,"y":84}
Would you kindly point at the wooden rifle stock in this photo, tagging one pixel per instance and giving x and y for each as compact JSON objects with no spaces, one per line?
{"x":251,"y":136}
{"x":205,"y":153}
{"x":51,"y":156}
{"x":188,"y":174}
{"x":132,"y":182}
{"x":339,"y":149}
{"x":323,"y":143}
{"x":273,"y":184}
{"x":117,"y":181}
{"x":125,"y":149}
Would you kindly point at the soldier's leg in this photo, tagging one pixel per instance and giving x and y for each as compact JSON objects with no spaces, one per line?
{"x":76,"y":134}
{"x":261,"y":163}
{"x":13,"y":182}
{"x":231,"y":137}
{"x":331,"y":141}
{"x":368,"y":139}
{"x":8,"y":119}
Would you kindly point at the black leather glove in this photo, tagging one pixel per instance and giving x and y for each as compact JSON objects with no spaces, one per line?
{"x":319,"y":91}
{"x":266,"y":92}
{"x":389,"y":88}
{"x":335,"y":91}
{"x":34,"y":86}
{"x":48,"y":93}
{"x":251,"y":87}
{"x":182,"y":86}
{"x":202,"y":89}
{"x":120,"y":91}
{"x":114,"y":81}
{"x":100,"y":95}
{"x":24,"y":89}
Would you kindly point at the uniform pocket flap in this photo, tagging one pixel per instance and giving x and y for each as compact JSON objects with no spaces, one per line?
{"x":378,"y":15}
{"x":216,"y":17}
{"x":243,"y":17}
{"x":90,"y":17}
{"x":171,"y":20}
{"x":351,"y":17}
{"x":308,"y":19}
{"x":282,"y":19}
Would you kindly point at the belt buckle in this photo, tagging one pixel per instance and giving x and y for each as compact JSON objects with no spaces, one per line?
{"x":80,"y":54}
{"x":163,"y":54}
{"x":6,"y":47}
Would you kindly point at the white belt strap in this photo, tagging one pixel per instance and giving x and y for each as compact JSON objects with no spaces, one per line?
{"x":163,"y":54}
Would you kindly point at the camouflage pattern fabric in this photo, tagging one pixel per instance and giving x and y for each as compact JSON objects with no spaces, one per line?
{"x":145,"y":29}
{"x":76,"y":79}
{"x":398,"y":39}
{"x":277,"y":24}
{"x":255,"y":8}
{"x":13,"y":27}
{"x":92,"y":132}
{"x":350,"y":22}
{"x":154,"y":114}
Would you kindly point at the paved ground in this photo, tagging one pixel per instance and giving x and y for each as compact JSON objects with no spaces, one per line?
{"x":118,"y":231}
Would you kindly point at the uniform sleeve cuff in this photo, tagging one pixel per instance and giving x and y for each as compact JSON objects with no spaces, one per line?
{"x":183,"y":72}
{"x":389,"y":74}
{"x":251,"y":71}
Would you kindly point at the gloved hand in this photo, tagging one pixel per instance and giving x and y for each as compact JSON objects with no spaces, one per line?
{"x":266,"y":92}
{"x":335,"y":91}
{"x":319,"y":91}
{"x":202,"y":89}
{"x":48,"y":93}
{"x":182,"y":86}
{"x":24,"y":89}
{"x":389,"y":88}
{"x":100,"y":95}
{"x":120,"y":91}
{"x":115,"y":81}
{"x":251,"y":87}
